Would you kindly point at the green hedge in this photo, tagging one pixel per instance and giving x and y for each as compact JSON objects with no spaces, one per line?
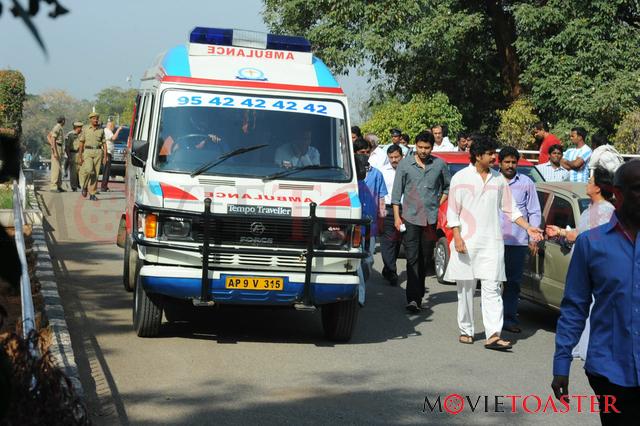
{"x":12,"y":97}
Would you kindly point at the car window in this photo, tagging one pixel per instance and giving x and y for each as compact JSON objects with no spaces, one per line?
{"x":123,"y":135}
{"x":561,"y":213}
{"x":542,"y":198}
{"x":584,"y":203}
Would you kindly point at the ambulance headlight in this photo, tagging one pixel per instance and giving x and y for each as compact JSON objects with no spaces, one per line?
{"x":335,"y":237}
{"x":175,"y":228}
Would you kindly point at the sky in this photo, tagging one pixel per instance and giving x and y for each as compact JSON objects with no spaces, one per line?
{"x":100,"y":43}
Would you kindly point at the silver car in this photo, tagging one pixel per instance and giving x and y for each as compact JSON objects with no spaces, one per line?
{"x":545,"y":273}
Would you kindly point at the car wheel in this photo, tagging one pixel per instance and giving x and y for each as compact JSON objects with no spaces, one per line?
{"x":441,"y":259}
{"x":339,"y":319}
{"x":130,"y":266}
{"x":147,"y":311}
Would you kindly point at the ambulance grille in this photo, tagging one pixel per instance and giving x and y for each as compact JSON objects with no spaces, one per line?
{"x":255,"y":231}
{"x":243,"y":260}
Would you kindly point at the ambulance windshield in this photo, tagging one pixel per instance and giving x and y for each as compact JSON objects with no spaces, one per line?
{"x":198,"y":128}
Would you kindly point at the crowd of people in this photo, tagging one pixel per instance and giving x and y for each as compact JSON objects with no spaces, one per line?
{"x":495,"y":217}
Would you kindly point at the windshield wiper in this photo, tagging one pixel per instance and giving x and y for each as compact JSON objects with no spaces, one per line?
{"x":298,"y":169}
{"x":224,"y":157}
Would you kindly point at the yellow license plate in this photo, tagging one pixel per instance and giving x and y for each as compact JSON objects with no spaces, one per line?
{"x":254,"y":283}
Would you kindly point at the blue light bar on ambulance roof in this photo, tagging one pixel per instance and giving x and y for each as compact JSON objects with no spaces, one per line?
{"x":252,"y":39}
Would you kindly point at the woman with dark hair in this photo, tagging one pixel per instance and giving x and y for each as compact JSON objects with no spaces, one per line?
{"x":599,"y":190}
{"x":599,"y":212}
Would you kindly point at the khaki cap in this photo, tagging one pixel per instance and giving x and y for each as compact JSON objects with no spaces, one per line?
{"x":94,"y":114}
{"x":78,"y":124}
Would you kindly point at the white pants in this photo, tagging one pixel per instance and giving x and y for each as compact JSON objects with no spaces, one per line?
{"x":491,"y":303}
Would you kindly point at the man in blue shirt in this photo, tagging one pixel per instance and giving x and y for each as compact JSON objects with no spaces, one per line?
{"x":606,"y":266}
{"x":369,"y":210}
{"x":378,"y":189}
{"x":516,"y":239}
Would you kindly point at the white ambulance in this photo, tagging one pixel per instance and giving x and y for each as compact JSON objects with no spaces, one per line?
{"x":240,"y":184}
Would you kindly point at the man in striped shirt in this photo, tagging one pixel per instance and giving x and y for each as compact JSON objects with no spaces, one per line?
{"x":576,"y":160}
{"x":552,"y":171}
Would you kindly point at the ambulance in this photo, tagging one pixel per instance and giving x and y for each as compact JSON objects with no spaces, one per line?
{"x":240,"y":183}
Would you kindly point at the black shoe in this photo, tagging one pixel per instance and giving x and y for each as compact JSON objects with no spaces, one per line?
{"x":61,"y":190}
{"x":413,"y":307}
{"x":93,"y":198}
{"x":105,"y":189}
{"x":392,"y":277}
{"x":393,"y":281}
{"x":74,"y":189}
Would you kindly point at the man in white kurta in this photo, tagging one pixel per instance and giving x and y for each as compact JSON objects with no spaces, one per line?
{"x":476,"y":197}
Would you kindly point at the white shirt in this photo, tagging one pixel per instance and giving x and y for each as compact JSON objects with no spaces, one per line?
{"x":286,"y":153}
{"x":595,"y":215}
{"x":552,"y":174}
{"x":475,"y":207}
{"x":378,"y":157}
{"x":389,"y":175}
{"x":446,"y":145}
{"x":606,"y":156}
{"x":108,"y":136}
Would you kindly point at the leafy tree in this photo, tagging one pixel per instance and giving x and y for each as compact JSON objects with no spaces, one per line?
{"x":577,"y":61}
{"x":40,"y":113}
{"x":580,"y":60}
{"x":459,"y":47}
{"x":627,"y":137}
{"x":415,"y":116}
{"x":117,"y":103}
{"x":515,"y":125}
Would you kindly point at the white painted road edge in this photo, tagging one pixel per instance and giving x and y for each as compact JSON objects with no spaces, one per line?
{"x":60,"y":348}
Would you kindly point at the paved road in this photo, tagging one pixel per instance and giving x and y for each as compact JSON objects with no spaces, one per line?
{"x":264,"y":366}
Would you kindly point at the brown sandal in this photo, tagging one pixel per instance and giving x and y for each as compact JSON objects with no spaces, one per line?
{"x":467,"y":340}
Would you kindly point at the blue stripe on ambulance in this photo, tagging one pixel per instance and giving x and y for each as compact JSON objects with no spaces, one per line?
{"x":176,"y":62}
{"x":355,"y":200}
{"x":325,"y":79}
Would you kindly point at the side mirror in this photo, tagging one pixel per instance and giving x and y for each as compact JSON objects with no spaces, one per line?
{"x":139,"y":153}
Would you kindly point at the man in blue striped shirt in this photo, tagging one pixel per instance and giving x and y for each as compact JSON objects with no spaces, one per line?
{"x":606,"y":267}
{"x":576,"y":160}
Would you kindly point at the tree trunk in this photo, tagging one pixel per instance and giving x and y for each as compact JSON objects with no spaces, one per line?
{"x":504,"y":31}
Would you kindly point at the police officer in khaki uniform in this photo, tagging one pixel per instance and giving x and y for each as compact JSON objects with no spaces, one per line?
{"x":92,"y":154}
{"x":56,"y":139}
{"x":72,"y":147}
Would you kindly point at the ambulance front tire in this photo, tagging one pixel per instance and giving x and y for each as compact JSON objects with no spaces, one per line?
{"x":147,"y":311}
{"x":339,"y":319}
{"x":131,"y":266}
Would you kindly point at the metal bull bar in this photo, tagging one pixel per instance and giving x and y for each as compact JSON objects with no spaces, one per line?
{"x":206,"y":249}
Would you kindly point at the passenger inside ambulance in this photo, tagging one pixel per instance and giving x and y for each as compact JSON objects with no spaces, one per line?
{"x":298,"y":152}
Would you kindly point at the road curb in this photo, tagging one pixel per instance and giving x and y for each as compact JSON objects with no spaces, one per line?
{"x":61,"y":347}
